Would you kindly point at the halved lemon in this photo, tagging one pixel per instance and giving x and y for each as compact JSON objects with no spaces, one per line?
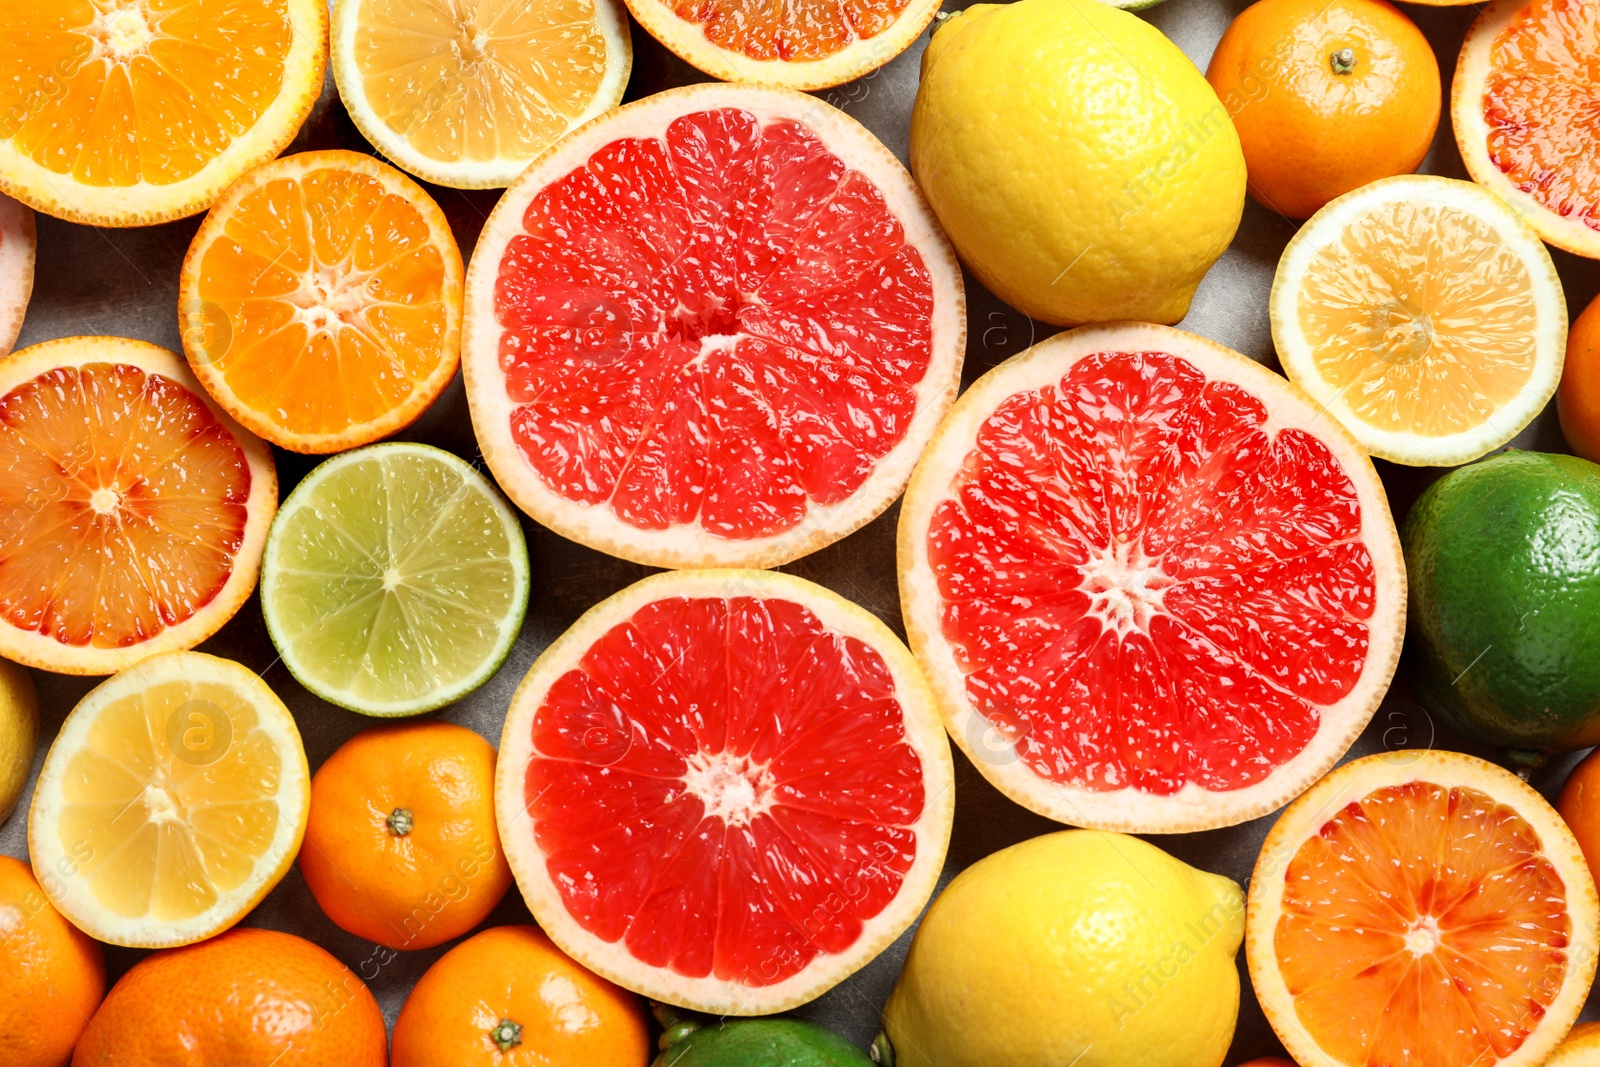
{"x":1425,"y":315}
{"x":1523,"y":106}
{"x":1421,"y":908}
{"x":172,"y":801}
{"x":321,"y":301}
{"x":132,"y":112}
{"x":467,"y":92}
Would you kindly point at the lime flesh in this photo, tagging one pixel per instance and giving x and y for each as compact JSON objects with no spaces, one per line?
{"x":395,"y":580}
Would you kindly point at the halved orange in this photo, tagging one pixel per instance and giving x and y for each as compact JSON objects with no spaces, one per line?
{"x":133,"y":513}
{"x":132,"y":112}
{"x":1523,"y":106}
{"x":799,"y":44}
{"x":321,"y":301}
{"x":1421,"y":908}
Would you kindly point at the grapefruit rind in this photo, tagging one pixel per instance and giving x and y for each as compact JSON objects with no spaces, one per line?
{"x":1472,"y":134}
{"x":35,"y":650}
{"x":1192,"y":807}
{"x":688,"y":41}
{"x":612,"y":20}
{"x":146,"y":204}
{"x":18,"y":246}
{"x":57,"y":866}
{"x":1327,"y":226}
{"x":711,"y":994}
{"x":424,"y":391}
{"x":1360,"y":778}
{"x":688,"y":545}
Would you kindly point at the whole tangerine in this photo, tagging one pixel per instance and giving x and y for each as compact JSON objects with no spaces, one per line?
{"x":1579,"y":805}
{"x":400,"y":846}
{"x":246,"y":996}
{"x":1578,"y":398}
{"x":52,"y":975}
{"x":508,"y":997}
{"x":1326,"y":97}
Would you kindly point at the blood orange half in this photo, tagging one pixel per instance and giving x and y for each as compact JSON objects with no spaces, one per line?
{"x":1523,"y":106}
{"x":714,"y":327}
{"x":1422,"y":908}
{"x":726,"y":790}
{"x":133,"y":513}
{"x":1154,"y":586}
{"x":17,"y":246}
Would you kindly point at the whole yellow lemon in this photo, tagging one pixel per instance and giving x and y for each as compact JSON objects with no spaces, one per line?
{"x":1081,"y":947}
{"x":19,"y":732}
{"x":1082,"y":166}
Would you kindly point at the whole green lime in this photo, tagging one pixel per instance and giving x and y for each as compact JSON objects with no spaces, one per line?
{"x":773,"y":1042}
{"x":1503,"y":559}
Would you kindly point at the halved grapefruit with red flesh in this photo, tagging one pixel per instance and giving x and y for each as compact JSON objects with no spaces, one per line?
{"x":134,"y":511}
{"x":1523,"y":107}
{"x":714,"y":327}
{"x":1154,"y":586}
{"x":1423,"y":908}
{"x":726,"y":790}
{"x":17,"y":247}
{"x":799,"y":44}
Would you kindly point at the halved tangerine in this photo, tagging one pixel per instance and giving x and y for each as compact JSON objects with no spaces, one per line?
{"x":133,"y":112}
{"x":727,"y":790}
{"x":1155,"y":588}
{"x":1523,"y":106}
{"x":133,"y":513}
{"x":1422,"y":908}
{"x":714,"y":327}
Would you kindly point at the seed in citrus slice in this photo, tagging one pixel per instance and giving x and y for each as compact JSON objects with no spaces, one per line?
{"x":132,"y":112}
{"x":17,"y":247}
{"x":726,"y":790}
{"x":1424,"y":315}
{"x":713,"y":327}
{"x":805,"y":44}
{"x":395,"y":579}
{"x":170,"y":804}
{"x":1155,"y":588}
{"x":321,"y":301}
{"x":1523,"y":106}
{"x":1421,"y":908}
{"x":468,"y":93}
{"x":133,"y":513}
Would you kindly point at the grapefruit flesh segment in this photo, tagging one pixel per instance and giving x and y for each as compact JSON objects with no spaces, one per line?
{"x":790,"y":31}
{"x":724,"y":325}
{"x":725,"y":786}
{"x":1423,"y":924}
{"x":1145,"y":587}
{"x":1539,"y":104}
{"x":129,"y":477}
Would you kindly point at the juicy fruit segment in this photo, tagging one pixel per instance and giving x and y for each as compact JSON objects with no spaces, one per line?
{"x":747,"y":354}
{"x":809,"y":30}
{"x":475,"y":81}
{"x":1423,"y":924}
{"x":1421,"y":318}
{"x":1144,"y":587}
{"x":121,"y":92}
{"x":725,"y":786}
{"x":1538,"y":102}
{"x":395,"y":579}
{"x":111,"y":463}
{"x":323,"y":303}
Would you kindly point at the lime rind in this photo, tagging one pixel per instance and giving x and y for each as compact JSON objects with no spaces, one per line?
{"x":395,"y":580}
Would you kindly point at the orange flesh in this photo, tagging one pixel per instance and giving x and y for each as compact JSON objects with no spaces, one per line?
{"x":129,"y":91}
{"x":322,"y":305}
{"x":1421,"y":318}
{"x":1422,"y":926}
{"x":790,"y":30}
{"x":123,"y":505}
{"x":1542,"y":103}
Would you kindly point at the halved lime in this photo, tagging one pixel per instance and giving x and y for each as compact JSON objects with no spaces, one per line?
{"x":395,"y":579}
